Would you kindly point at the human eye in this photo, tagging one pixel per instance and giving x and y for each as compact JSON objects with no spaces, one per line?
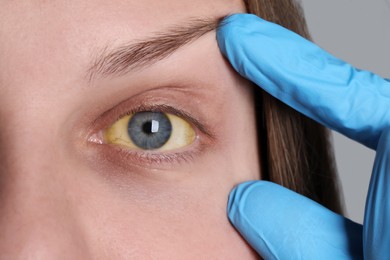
{"x":150,"y":130}
{"x":150,"y":133}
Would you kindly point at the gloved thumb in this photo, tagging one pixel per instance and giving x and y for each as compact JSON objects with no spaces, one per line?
{"x":281,"y":224}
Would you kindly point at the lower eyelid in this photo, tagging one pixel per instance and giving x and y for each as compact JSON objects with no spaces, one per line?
{"x":128,"y":159}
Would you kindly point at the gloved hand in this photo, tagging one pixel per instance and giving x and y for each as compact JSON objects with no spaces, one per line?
{"x":277,"y":222}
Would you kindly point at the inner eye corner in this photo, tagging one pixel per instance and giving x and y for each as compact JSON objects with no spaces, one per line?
{"x":96,"y":138}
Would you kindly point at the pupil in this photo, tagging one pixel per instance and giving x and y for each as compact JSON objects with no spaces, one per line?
{"x":147,"y":128}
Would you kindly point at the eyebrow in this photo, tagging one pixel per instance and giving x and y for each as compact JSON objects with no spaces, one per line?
{"x":142,"y":53}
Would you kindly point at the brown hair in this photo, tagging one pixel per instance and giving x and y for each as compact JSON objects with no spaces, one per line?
{"x":295,"y":150}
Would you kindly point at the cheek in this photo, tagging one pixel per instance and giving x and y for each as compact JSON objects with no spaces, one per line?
{"x":185,"y":218}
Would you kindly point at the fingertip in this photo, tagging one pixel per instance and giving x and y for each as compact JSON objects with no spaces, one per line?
{"x":281,"y":224}
{"x":231,"y":28}
{"x":238,"y":194}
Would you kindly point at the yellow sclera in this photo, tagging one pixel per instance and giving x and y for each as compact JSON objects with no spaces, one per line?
{"x":182,"y":134}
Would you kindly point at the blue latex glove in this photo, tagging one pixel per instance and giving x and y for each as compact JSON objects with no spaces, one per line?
{"x":277,"y":222}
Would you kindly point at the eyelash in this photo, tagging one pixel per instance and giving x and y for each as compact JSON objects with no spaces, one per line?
{"x":150,"y":158}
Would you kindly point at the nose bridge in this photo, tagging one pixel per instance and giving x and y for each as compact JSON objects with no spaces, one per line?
{"x":28,"y":156}
{"x":29,"y":133}
{"x":36,"y":218}
{"x":37,"y":227}
{"x":33,"y":222}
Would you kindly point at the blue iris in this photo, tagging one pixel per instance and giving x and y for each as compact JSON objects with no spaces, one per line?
{"x":149,"y":130}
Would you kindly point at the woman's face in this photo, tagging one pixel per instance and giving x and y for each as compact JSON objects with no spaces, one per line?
{"x":75,"y":181}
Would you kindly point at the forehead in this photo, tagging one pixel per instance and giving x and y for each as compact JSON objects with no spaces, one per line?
{"x":130,"y":18}
{"x":39,"y":35}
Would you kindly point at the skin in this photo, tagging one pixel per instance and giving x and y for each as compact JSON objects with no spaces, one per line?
{"x":64,"y":195}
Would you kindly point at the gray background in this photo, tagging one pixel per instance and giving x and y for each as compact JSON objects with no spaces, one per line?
{"x":357,"y":31}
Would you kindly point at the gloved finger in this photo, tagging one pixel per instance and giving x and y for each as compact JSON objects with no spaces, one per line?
{"x":353,"y":102}
{"x":377,"y":214}
{"x":281,"y":224}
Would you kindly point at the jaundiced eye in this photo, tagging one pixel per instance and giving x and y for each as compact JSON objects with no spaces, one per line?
{"x":149,"y":130}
